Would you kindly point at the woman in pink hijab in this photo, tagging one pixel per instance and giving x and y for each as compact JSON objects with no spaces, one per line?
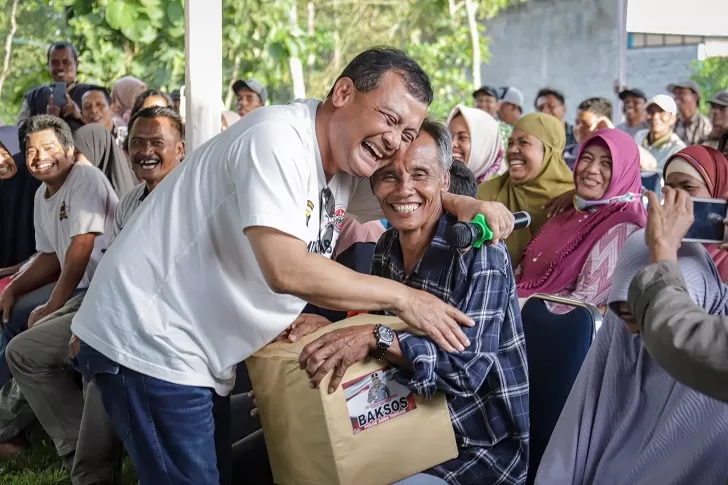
{"x":575,"y":252}
{"x":123,"y":95}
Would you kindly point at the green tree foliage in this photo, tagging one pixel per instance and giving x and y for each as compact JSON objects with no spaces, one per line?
{"x":145,"y":38}
{"x":712,"y":76}
{"x":38,"y":24}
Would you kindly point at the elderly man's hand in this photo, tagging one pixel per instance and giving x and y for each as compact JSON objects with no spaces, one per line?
{"x":668,"y":223}
{"x":500,"y":219}
{"x":336,"y":350}
{"x":304,"y":324}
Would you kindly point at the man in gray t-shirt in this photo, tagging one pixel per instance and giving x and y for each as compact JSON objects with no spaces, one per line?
{"x":74,"y":209}
{"x":79,"y":427}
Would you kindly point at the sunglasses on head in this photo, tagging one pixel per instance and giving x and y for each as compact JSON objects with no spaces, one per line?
{"x":327,"y":204}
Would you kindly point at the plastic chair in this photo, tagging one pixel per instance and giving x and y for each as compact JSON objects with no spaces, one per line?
{"x":556,"y":346}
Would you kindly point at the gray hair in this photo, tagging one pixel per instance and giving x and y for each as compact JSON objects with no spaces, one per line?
{"x":443,"y":141}
{"x":44,"y":122}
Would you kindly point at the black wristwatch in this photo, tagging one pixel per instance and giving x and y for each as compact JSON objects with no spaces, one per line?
{"x":385,"y":337}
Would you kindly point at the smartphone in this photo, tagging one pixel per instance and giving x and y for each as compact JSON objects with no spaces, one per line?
{"x":58,"y":91}
{"x":708,"y":227}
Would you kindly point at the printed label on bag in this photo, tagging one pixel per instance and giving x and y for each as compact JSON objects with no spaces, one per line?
{"x":376,"y":398}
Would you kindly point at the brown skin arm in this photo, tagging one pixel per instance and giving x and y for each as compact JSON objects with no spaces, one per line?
{"x":74,"y":267}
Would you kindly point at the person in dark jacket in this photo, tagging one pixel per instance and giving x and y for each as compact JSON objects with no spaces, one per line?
{"x":63,"y":67}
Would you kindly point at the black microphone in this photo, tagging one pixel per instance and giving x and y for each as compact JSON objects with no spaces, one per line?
{"x":475,"y":233}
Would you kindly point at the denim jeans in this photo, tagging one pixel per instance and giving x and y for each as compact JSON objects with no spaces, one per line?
{"x":18,"y":323}
{"x":168,"y":429}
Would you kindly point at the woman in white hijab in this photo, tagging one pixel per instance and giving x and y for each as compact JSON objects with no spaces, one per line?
{"x":476,"y":142}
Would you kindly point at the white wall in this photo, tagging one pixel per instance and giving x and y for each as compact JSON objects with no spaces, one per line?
{"x":653,"y":68}
{"x":570,"y":45}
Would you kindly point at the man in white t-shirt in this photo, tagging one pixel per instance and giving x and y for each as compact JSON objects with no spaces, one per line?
{"x":225,"y":253}
{"x":73,"y":216}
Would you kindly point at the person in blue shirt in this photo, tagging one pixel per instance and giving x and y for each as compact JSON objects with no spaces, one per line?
{"x":486,"y":382}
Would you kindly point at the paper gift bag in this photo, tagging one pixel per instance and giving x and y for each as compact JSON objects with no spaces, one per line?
{"x":371,"y":431}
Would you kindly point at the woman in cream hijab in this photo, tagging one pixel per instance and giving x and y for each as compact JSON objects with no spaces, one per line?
{"x":476,"y":142}
{"x":536,"y":174}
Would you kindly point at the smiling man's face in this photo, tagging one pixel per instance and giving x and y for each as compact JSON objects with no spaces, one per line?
{"x":61,"y":65}
{"x":95,"y":109}
{"x":155,"y":149}
{"x":368,"y":130}
{"x":46,"y":158}
{"x":409,"y":189}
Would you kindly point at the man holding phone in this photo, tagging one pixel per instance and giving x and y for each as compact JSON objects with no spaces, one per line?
{"x":62,"y":97}
{"x":690,"y":344}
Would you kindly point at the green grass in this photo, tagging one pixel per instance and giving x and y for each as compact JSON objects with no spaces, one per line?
{"x":40,"y":465}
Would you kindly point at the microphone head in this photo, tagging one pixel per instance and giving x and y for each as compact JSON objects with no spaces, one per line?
{"x":460,"y":235}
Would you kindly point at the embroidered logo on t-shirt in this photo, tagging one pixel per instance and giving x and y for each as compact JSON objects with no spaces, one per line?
{"x":63,"y":213}
{"x":309,"y":210}
{"x":339,"y":213}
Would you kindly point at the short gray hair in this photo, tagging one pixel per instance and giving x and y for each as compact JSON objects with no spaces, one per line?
{"x":443,"y":141}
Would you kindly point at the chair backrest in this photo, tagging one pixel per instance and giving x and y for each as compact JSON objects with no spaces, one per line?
{"x":556,"y":345}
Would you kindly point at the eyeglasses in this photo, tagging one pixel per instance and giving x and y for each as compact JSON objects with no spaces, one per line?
{"x":326,"y":203}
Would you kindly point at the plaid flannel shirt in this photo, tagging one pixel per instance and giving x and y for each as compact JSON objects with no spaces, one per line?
{"x":487,"y":384}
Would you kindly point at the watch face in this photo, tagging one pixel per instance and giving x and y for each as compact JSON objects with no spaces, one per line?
{"x":386,"y":334}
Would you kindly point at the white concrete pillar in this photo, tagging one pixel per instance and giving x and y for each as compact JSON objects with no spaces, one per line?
{"x":622,"y":53}
{"x":203,"y":70}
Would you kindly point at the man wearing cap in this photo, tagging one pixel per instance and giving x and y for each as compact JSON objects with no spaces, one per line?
{"x":486,"y":98}
{"x":634,"y":102}
{"x":511,"y":106}
{"x":659,"y":138}
{"x":692,"y":127}
{"x":250,"y":95}
{"x":718,"y":117}
{"x":176,"y":96}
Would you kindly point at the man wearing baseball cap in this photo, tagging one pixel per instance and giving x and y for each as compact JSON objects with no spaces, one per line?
{"x":692,"y":127}
{"x":659,"y":138}
{"x":250,"y":95}
{"x":718,"y":117}
{"x":634,"y":103}
{"x":486,"y":98}
{"x":511,"y":105}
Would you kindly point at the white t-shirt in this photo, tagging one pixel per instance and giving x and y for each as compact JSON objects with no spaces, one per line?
{"x":85,"y":204}
{"x":179,"y":295}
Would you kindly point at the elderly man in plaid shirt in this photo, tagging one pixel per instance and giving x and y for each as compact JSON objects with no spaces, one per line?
{"x":487,"y":382}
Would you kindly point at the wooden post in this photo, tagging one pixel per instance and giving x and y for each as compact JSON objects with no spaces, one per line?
{"x":203,"y":70}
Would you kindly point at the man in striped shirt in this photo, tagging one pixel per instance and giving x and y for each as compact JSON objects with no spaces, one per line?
{"x":38,"y":358}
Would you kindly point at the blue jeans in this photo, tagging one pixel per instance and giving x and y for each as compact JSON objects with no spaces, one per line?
{"x":168,"y":429}
{"x":18,"y":323}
